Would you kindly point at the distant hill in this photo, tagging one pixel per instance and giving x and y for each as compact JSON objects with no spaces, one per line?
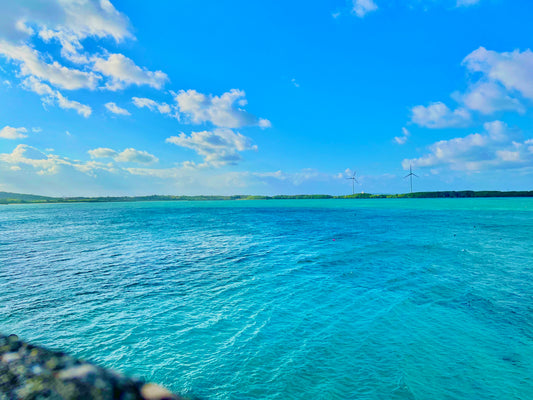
{"x":18,"y":198}
{"x":468,"y":193}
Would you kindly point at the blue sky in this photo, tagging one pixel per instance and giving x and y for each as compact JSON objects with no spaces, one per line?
{"x":245,"y":97}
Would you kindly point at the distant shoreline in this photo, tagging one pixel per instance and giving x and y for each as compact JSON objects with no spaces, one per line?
{"x":18,"y":198}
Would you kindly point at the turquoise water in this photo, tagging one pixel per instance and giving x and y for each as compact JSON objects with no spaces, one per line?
{"x":307,"y":299}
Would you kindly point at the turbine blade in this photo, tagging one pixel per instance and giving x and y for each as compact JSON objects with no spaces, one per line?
{"x":406,"y":176}
{"x":416,"y":175}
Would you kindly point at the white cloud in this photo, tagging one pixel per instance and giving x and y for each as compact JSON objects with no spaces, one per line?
{"x":67,"y":104}
{"x":51,"y":96}
{"x":76,"y":20}
{"x":29,"y":170}
{"x":128,"y":155}
{"x":36,"y":129}
{"x":466,"y":3}
{"x":363,"y":7}
{"x":294,"y":83}
{"x":438,"y":115}
{"x":8,"y":132}
{"x":498,"y":131}
{"x":218,"y":147}
{"x":513,"y":70}
{"x":488,"y":98}
{"x":96,"y":18}
{"x":82,"y":18}
{"x":102,"y":152}
{"x":299,"y":177}
{"x":31,"y":64}
{"x":25,"y":154}
{"x":496,"y":147}
{"x":112,"y":107}
{"x":264,"y":123}
{"x":504,"y":81}
{"x":47,"y":164}
{"x":161,"y":173}
{"x":93,"y":178}
{"x":21,"y":26}
{"x":136,"y":156}
{"x":402,"y":139}
{"x":222,"y":111}
{"x":152,"y":105}
{"x":190,"y":175}
{"x":69,"y":23}
{"x":508,"y":155}
{"x":123,"y":72}
{"x":70,"y":45}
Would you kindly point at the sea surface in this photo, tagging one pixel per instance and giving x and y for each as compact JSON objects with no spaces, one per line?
{"x":282,"y":299}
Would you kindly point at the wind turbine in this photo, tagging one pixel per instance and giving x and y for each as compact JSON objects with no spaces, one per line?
{"x":353,"y":182}
{"x":411,"y":174}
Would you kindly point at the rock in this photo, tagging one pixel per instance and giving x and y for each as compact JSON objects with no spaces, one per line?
{"x":31,"y":372}
{"x":152,"y":391}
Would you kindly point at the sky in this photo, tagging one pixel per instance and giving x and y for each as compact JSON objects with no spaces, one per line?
{"x":188,"y":97}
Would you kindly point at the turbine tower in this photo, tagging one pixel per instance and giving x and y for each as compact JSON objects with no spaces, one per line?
{"x":410,"y":175}
{"x":353,"y":182}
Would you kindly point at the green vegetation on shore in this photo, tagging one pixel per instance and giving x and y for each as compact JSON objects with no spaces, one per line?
{"x":17,"y":198}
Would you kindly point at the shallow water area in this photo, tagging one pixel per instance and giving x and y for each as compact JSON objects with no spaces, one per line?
{"x":326,"y":299}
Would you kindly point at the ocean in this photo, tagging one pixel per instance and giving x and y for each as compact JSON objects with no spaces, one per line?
{"x":282,"y":299}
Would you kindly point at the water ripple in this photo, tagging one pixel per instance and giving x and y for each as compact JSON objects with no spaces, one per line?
{"x":282,"y":300}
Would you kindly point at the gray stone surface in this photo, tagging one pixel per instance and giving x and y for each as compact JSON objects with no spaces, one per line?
{"x":31,"y":372}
